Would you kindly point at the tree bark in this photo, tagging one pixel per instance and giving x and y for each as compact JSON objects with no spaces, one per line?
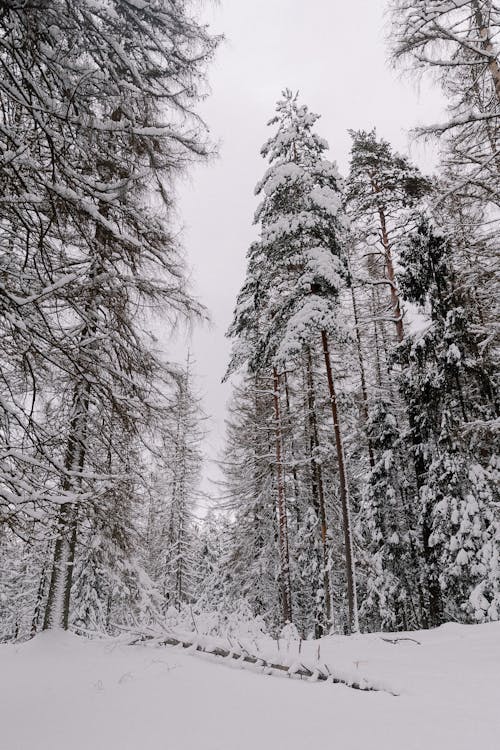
{"x":391,"y":276}
{"x":286,"y":593}
{"x":353,"y":625}
{"x":58,"y":601}
{"x":293,"y":450}
{"x":317,"y":485}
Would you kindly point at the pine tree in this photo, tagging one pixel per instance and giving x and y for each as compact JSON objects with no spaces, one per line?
{"x":382,"y":186}
{"x":382,"y":189}
{"x":112,"y":588}
{"x":211,"y":594}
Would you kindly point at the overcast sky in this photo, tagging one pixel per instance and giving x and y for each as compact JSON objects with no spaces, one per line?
{"x":334,"y":52}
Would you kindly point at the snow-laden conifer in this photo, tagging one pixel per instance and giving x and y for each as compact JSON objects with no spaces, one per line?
{"x":296,"y":269}
{"x":448,"y":382}
{"x":171,"y":533}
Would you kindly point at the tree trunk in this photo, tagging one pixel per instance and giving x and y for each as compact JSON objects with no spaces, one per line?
{"x":364,"y":391}
{"x":293,"y":449}
{"x":436,"y":614}
{"x":391,"y":277}
{"x":378,"y":364}
{"x":58,"y":601}
{"x":433,"y":616}
{"x":317,"y":485}
{"x":353,"y":625}
{"x":286,"y":592}
{"x":35,"y":620}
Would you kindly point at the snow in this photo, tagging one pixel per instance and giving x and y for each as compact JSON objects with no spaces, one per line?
{"x":59,"y":691}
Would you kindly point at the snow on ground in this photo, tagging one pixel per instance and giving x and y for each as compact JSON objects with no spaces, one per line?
{"x":61,"y":692}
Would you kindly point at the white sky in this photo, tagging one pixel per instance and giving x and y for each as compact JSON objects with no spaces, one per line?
{"x":334,"y":52}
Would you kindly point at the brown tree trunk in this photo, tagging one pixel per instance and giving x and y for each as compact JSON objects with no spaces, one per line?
{"x":317,"y":484}
{"x":353,"y":625}
{"x":286,"y":593}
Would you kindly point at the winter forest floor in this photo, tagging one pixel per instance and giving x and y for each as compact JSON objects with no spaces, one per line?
{"x":62,"y":692}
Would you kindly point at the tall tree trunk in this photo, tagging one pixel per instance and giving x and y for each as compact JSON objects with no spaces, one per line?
{"x":293,"y":449}
{"x":389,"y":266}
{"x":58,"y":601}
{"x":317,"y":485}
{"x":378,"y":364}
{"x":362,"y":372}
{"x":353,"y":625}
{"x":286,"y":588}
{"x":373,"y":273}
{"x":391,"y":276}
{"x":421,"y":619}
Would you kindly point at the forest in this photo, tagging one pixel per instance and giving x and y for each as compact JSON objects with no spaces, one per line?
{"x":358,"y":486}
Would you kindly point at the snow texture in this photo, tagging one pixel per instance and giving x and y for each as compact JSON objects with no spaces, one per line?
{"x":59,"y":691}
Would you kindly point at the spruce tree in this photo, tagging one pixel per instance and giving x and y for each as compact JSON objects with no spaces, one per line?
{"x":295,"y":272}
{"x":448,"y":383}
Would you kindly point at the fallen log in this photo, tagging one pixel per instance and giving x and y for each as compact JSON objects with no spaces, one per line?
{"x":313,"y":673}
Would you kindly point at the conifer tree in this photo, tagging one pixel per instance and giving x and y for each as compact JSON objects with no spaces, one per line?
{"x":295,"y":272}
{"x":211,"y":593}
{"x":457,"y":44}
{"x":382,"y":189}
{"x":252,"y":554}
{"x":171,"y":530}
{"x":382,"y":185}
{"x":387,"y":526}
{"x":448,"y":382}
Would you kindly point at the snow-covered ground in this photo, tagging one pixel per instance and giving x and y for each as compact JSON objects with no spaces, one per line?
{"x":61,"y":692}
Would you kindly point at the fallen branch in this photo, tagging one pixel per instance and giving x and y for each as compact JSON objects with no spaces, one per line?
{"x":396,"y":640}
